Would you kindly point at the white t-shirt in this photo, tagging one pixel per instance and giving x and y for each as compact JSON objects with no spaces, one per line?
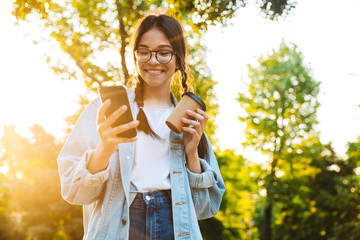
{"x":151,"y":167}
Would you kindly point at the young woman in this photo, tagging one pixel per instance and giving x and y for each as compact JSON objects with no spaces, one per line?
{"x":158,"y":184}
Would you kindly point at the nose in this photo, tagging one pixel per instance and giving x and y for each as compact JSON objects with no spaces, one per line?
{"x":153,"y":59}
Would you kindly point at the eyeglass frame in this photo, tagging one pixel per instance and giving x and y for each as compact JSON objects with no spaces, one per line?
{"x":156,"y":52}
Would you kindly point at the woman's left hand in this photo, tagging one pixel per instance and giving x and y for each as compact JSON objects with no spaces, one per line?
{"x":193,"y":133}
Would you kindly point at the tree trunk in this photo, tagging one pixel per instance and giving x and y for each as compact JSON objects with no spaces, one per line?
{"x":123,"y":36}
{"x":269,"y":198}
{"x":267,"y":222}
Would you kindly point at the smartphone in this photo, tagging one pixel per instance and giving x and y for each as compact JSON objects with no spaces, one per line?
{"x":118,"y":98}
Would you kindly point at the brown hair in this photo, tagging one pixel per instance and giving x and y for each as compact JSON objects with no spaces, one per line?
{"x":174,"y":32}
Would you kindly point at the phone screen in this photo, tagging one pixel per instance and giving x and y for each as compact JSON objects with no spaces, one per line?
{"x":118,"y":98}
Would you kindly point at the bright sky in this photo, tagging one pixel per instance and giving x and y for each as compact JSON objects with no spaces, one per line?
{"x":324,"y":30}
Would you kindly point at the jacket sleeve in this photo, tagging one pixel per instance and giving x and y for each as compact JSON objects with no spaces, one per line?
{"x":78,"y":185}
{"x":207,"y":188}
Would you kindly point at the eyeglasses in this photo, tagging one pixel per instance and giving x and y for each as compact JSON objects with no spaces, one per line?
{"x":144,"y":55}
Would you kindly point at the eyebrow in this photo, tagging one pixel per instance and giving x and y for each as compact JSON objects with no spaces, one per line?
{"x":160,"y":46}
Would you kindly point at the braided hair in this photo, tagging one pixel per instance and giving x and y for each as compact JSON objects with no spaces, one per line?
{"x":174,"y":32}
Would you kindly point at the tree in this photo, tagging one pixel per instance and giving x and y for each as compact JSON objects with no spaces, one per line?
{"x":317,"y":195}
{"x":88,"y":30}
{"x":94,"y":33}
{"x":204,"y":85}
{"x":34,"y":207}
{"x":238,"y":205}
{"x":280,"y":111}
{"x":274,"y":9}
{"x":3,"y":207}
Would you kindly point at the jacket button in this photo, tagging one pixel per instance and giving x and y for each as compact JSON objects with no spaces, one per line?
{"x":123,"y":222}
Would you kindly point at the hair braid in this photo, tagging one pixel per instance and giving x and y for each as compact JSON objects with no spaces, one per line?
{"x":139,"y":93}
{"x":184,"y":77}
{"x":141,"y":117}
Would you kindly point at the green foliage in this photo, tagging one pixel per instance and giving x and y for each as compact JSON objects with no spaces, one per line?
{"x":204,"y":85}
{"x":238,"y":205}
{"x":282,"y":101}
{"x":274,"y":9}
{"x":94,"y":33}
{"x":318,"y":196}
{"x":200,"y":14}
{"x":280,"y":107}
{"x":3,"y":206}
{"x":353,"y":152}
{"x":311,"y":193}
{"x":211,"y":229}
{"x":90,"y":32}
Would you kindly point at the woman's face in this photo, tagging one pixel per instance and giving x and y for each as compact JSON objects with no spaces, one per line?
{"x":154,"y":73}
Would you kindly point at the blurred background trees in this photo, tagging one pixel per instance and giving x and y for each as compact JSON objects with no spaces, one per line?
{"x":303,"y":191}
{"x":280,"y":111}
{"x":96,"y":34}
{"x":318,"y":198}
{"x":33,"y":204}
{"x":304,"y":180}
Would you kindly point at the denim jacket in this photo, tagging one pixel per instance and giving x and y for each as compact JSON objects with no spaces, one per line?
{"x":106,"y":197}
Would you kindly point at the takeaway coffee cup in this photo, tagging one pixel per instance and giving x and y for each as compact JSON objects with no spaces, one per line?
{"x":189,"y":101}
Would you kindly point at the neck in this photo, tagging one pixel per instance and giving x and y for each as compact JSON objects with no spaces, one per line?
{"x":157,"y":97}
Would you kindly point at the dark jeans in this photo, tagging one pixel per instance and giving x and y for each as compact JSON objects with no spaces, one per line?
{"x":151,"y":216}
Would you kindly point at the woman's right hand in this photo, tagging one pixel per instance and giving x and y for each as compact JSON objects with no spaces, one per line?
{"x":108,"y":134}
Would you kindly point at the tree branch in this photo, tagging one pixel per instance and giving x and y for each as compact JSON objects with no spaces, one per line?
{"x":81,"y":67}
{"x":123,"y":34}
{"x":93,"y":79}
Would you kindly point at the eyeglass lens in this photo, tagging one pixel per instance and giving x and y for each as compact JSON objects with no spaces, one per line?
{"x":144,"y":55}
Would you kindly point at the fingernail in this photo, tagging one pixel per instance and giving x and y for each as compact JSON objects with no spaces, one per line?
{"x":184,"y":119}
{"x":123,"y":107}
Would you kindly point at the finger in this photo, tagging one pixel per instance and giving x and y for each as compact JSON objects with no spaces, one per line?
{"x":199,"y":119}
{"x":124,"y":127}
{"x":196,"y":115}
{"x":194,"y":123}
{"x":115,"y":115}
{"x":192,"y":131}
{"x":101,"y":112}
{"x":202,"y":113}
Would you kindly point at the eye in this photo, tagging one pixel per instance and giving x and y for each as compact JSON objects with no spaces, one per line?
{"x":164,"y":53}
{"x":142,"y":52}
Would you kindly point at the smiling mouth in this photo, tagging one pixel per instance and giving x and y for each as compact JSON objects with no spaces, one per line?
{"x":154,"y":71}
